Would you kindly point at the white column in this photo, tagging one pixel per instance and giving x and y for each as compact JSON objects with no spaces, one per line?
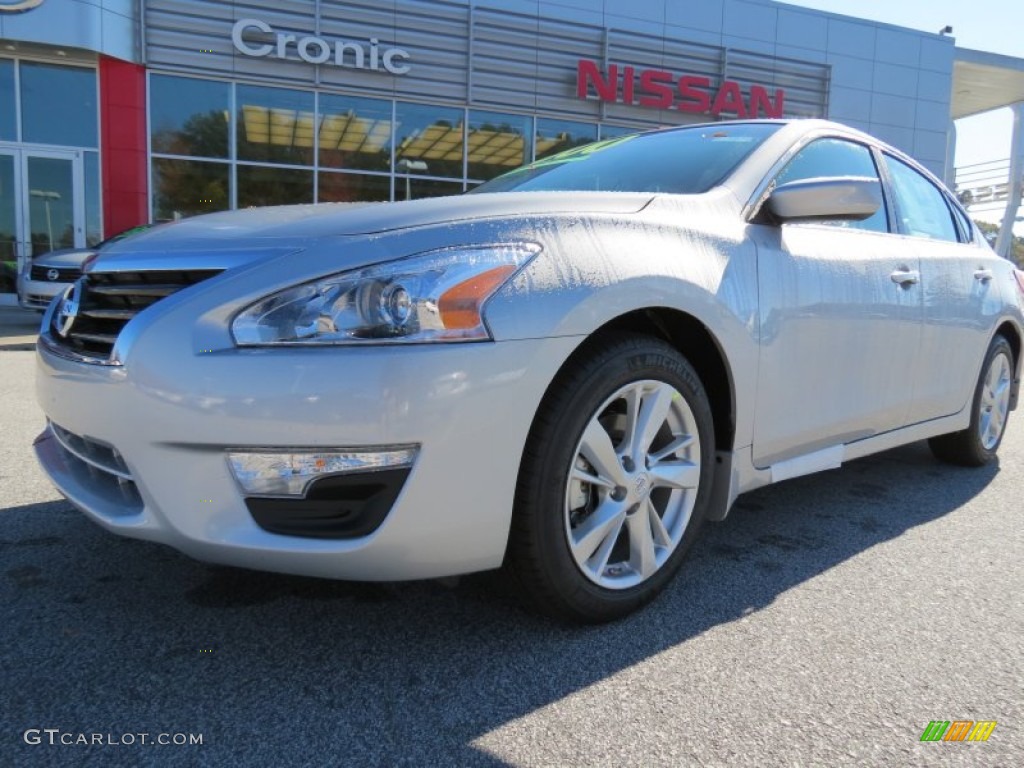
{"x":951,"y":156}
{"x":1016,"y":181}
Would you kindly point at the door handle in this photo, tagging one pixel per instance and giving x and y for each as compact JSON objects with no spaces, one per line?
{"x":905,"y":277}
{"x":984,"y":275}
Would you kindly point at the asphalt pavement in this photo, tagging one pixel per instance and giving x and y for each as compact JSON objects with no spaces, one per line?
{"x":825,"y":623}
{"x":18,"y":327}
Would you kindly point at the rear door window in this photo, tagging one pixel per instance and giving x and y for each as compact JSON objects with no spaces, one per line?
{"x":920,"y":205}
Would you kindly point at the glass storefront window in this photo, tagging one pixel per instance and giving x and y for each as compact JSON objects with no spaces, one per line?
{"x":259,"y":185}
{"x":409,"y":188}
{"x":428,"y":140}
{"x":51,"y":203}
{"x":188,"y":187}
{"x":188,"y":116}
{"x":58,"y":105}
{"x":8,"y":127}
{"x":360,"y":149}
{"x":336,"y":187}
{"x":495,"y":143}
{"x":275,"y":125}
{"x":8,"y":233}
{"x":554,"y":136}
{"x":93,"y":226}
{"x":355,"y":133}
{"x":614,"y":131}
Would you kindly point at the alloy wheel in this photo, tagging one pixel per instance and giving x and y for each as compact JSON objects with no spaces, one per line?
{"x":995,"y":401}
{"x":633,"y":484}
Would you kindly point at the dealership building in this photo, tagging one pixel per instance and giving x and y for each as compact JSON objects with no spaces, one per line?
{"x":119,"y":112}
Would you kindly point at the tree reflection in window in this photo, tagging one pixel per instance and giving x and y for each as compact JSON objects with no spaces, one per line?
{"x":496,"y":143}
{"x":554,"y":136}
{"x":355,"y":133}
{"x":259,"y":185}
{"x":429,"y":141}
{"x":275,"y":125}
{"x":188,"y":187}
{"x":201,"y":135}
{"x":352,"y":188}
{"x":189,"y":117}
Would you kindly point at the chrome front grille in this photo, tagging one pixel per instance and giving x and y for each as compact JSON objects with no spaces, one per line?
{"x":104,"y":302}
{"x":60,"y":275}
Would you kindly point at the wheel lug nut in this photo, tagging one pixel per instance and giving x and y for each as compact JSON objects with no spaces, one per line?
{"x":619,"y":493}
{"x":627,"y":464}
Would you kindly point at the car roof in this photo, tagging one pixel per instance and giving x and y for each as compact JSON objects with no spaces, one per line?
{"x":747,"y":179}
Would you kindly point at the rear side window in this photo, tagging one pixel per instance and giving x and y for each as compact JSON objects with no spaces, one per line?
{"x":921,"y":207}
{"x":966,"y":229}
{"x":837,"y":157}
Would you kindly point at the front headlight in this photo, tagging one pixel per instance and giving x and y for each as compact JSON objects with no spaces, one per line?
{"x":436,"y":296}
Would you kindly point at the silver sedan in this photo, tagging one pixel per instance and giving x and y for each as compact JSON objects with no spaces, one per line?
{"x":565,"y":372}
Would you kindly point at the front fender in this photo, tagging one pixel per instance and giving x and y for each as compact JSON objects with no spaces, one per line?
{"x":581,"y":282}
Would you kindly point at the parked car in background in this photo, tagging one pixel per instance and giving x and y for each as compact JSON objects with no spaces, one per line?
{"x":51,"y":273}
{"x":565,"y":371}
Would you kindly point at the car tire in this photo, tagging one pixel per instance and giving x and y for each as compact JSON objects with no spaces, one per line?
{"x":615,"y":480}
{"x":990,"y":408}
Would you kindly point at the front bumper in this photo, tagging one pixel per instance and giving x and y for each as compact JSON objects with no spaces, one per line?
{"x":170,"y":418}
{"x":37,"y":294}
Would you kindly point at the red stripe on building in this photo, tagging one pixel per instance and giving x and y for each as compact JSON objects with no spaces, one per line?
{"x":123,"y":144}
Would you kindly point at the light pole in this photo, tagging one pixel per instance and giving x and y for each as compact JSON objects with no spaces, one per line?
{"x":46,"y":195}
{"x":404,"y":164}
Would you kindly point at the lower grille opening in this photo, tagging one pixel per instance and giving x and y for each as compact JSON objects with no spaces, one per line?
{"x":93,"y":452}
{"x":100,"y":468}
{"x":335,"y":507}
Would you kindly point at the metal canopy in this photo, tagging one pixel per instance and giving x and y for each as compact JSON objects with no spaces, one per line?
{"x":983,"y":81}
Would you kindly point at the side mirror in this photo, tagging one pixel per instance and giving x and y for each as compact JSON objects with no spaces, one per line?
{"x":841,"y":197}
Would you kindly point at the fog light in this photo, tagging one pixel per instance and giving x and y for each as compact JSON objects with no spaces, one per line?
{"x":289,"y":473}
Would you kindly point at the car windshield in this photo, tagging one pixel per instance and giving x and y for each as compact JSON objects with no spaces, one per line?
{"x":681,"y":161}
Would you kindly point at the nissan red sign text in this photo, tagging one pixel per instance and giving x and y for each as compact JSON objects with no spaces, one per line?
{"x":660,"y":89}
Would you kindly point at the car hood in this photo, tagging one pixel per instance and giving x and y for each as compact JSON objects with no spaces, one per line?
{"x":64,"y":258}
{"x":232,"y":238}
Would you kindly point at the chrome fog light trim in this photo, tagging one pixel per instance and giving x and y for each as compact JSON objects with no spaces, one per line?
{"x":289,"y":472}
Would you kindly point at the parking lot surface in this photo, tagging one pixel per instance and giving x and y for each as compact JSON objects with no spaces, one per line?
{"x":18,"y":327}
{"x":826,"y":622}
